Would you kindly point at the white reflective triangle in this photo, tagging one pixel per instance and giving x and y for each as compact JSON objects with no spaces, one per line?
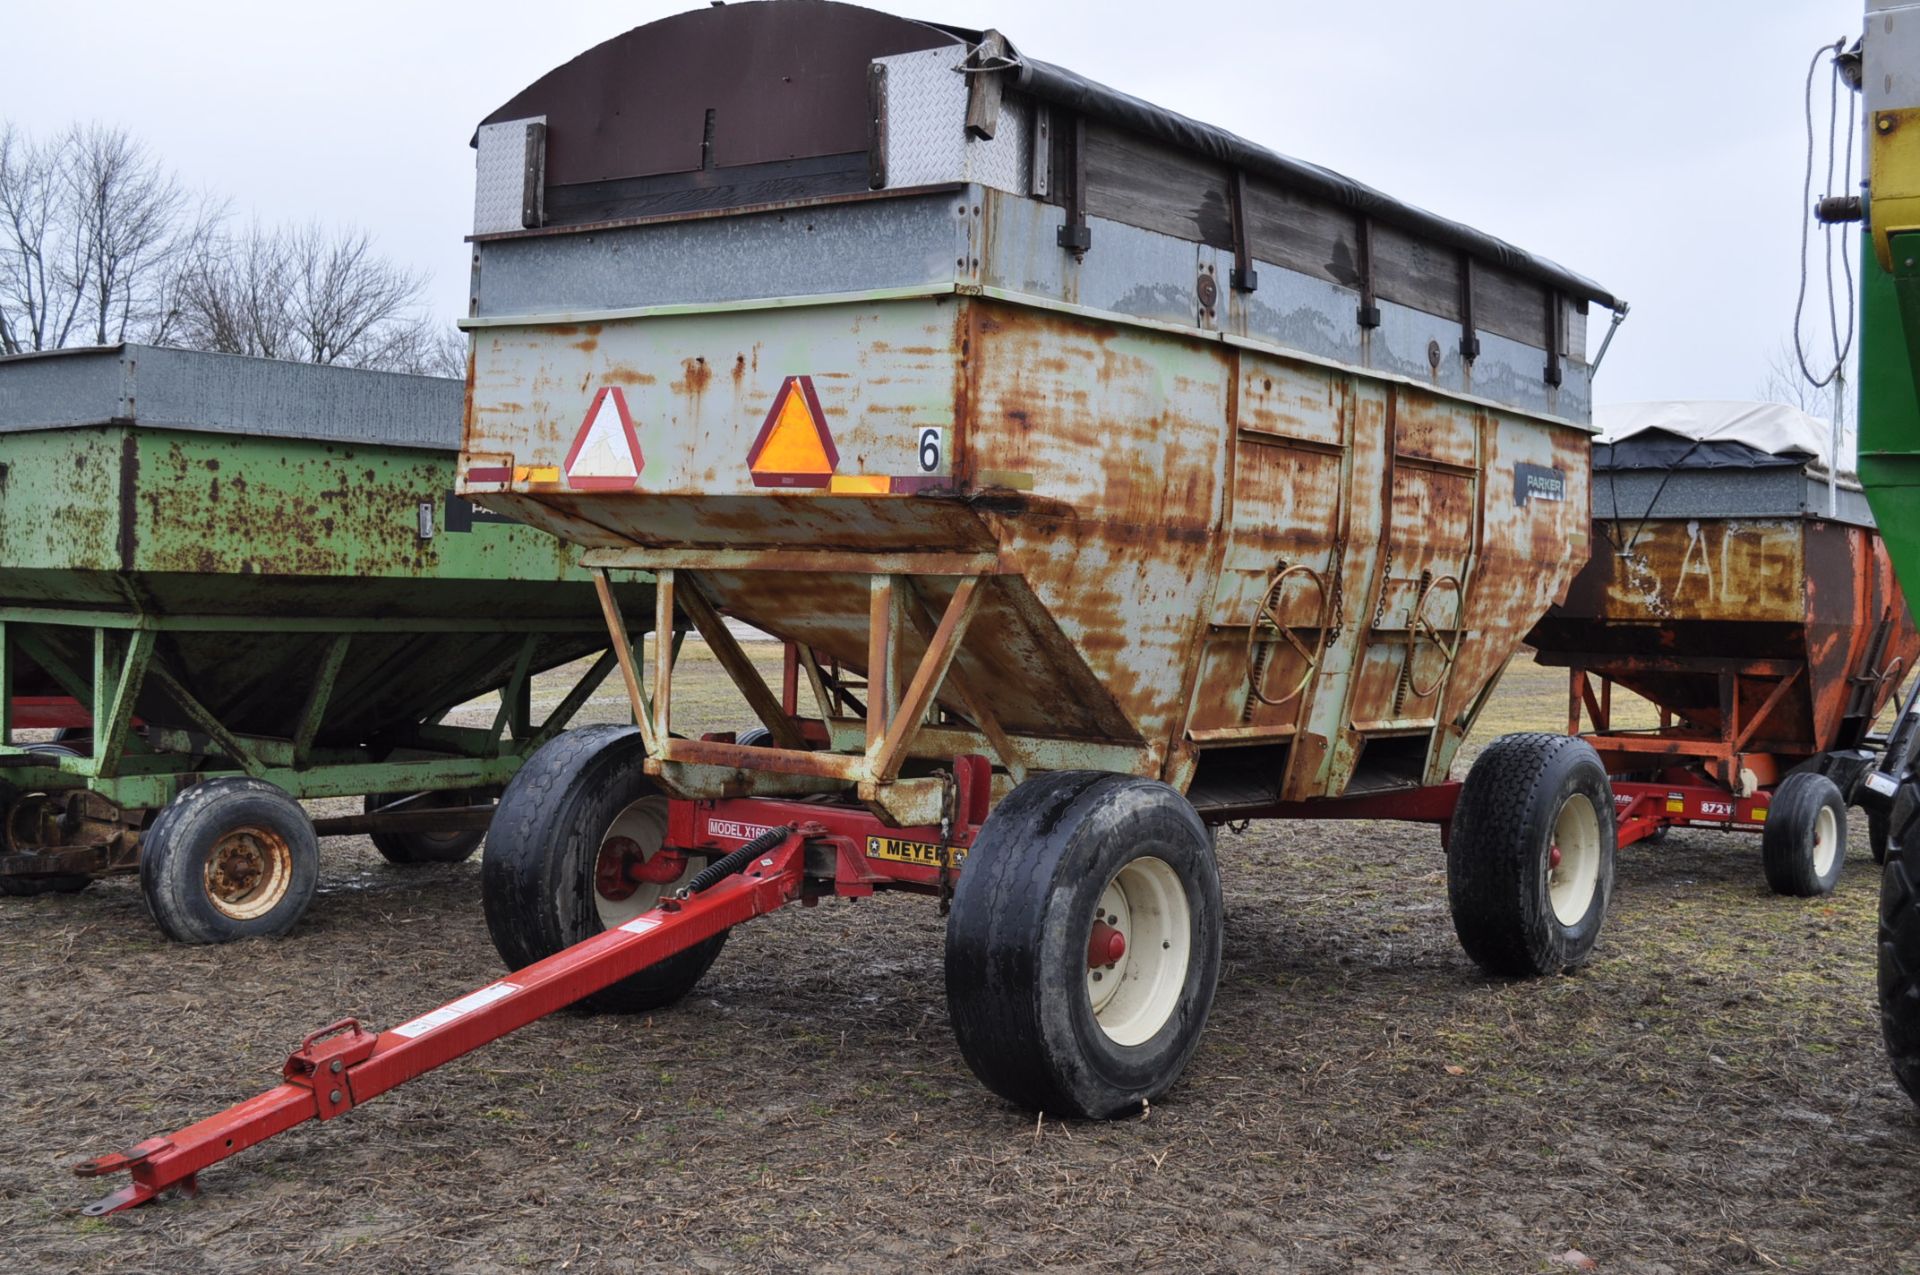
{"x":604,"y":452}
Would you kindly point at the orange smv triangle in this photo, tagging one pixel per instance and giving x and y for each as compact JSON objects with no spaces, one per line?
{"x":794,"y":447}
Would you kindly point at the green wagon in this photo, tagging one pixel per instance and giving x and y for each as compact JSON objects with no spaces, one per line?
{"x":250,"y":582}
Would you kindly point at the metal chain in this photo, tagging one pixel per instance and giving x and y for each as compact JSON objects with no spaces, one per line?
{"x":948,"y":799}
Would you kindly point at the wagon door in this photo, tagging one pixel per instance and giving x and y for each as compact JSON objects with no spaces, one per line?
{"x":1414,"y":620}
{"x":1273,"y":606}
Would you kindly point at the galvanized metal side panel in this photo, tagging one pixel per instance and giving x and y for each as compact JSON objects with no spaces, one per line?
{"x":1775,"y":492}
{"x":1143,"y":274}
{"x":837,"y":249}
{"x":229,"y":394}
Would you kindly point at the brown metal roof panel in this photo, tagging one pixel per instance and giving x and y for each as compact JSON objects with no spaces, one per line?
{"x":783,"y":80}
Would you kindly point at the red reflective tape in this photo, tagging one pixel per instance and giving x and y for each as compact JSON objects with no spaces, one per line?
{"x":490,"y":474}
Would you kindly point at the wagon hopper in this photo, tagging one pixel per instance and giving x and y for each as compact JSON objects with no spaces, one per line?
{"x":235,"y":582}
{"x":1741,"y":586}
{"x":1105,"y":475}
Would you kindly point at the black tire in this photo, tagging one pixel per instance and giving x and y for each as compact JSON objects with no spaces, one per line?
{"x":19,"y":887}
{"x":1899,"y":964}
{"x":1895,"y":827}
{"x":1523,"y":796}
{"x":232,"y":858}
{"x":754,"y":737}
{"x":1020,"y":988}
{"x":537,"y":877}
{"x":408,"y":848}
{"x":1803,"y":844}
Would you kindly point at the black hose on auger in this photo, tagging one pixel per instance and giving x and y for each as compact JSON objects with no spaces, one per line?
{"x":725,"y":866}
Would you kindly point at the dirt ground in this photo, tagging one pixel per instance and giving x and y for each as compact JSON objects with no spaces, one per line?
{"x":1709,"y":1095}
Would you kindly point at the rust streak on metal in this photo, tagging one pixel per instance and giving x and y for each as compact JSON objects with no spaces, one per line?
{"x":880,"y":645}
{"x":665,"y":600}
{"x":780,"y":761}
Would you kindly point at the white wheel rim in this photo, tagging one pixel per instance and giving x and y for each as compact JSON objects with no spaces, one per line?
{"x":247,"y":872}
{"x":645,"y":824}
{"x":1826,"y":841}
{"x":1573,"y":860}
{"x":1134,"y":996}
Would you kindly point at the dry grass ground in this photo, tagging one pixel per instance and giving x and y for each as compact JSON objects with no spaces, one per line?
{"x":1709,"y":1095}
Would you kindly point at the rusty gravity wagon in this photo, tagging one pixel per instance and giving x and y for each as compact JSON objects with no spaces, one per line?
{"x":1106,"y":475}
{"x":1739,"y":584}
{"x":236,"y":582}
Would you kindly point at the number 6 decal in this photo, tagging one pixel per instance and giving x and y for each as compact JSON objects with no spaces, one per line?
{"x":930,"y":439}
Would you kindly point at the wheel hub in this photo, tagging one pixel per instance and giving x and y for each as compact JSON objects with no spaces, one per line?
{"x":1573,"y":860}
{"x":248,"y":872}
{"x":633,"y":866}
{"x":1138,"y":949}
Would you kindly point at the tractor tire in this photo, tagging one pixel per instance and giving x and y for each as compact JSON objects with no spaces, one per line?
{"x":576,"y":811}
{"x":1896,"y":826}
{"x":754,"y":737}
{"x":1074,"y":864}
{"x":231,"y":858}
{"x":1899,"y":961}
{"x":1803,"y":844}
{"x":405,"y":849}
{"x":1530,"y":855}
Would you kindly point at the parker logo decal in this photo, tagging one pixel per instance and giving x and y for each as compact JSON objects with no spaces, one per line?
{"x":1537,"y":482}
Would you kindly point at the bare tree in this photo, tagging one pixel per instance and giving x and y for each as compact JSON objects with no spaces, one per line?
{"x":314,"y":295}
{"x":126,"y":211}
{"x":100,"y":243}
{"x":92,"y":227}
{"x":37,"y":308}
{"x":1784,"y":383}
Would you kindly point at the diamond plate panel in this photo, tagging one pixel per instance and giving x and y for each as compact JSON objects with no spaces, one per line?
{"x":926,"y":114}
{"x":500,"y":176}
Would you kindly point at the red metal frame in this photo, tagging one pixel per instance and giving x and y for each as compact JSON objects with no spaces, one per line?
{"x":1720,"y":756}
{"x":343,"y":1065}
{"x":49,"y":712}
{"x":1640,"y":808}
{"x":827,"y":850}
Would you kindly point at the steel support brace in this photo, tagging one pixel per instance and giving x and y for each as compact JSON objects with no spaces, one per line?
{"x":341,"y":1066}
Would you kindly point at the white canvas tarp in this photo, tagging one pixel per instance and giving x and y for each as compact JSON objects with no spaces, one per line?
{"x":1774,"y":428}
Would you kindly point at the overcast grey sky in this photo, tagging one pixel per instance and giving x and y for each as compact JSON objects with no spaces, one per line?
{"x":1655,"y":147}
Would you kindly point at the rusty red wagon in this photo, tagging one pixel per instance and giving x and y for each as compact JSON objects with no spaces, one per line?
{"x":1107,"y":476}
{"x":1737,"y":583}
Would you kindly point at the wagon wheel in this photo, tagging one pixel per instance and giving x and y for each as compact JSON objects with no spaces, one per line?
{"x":1266,"y":617}
{"x":1419,"y":624}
